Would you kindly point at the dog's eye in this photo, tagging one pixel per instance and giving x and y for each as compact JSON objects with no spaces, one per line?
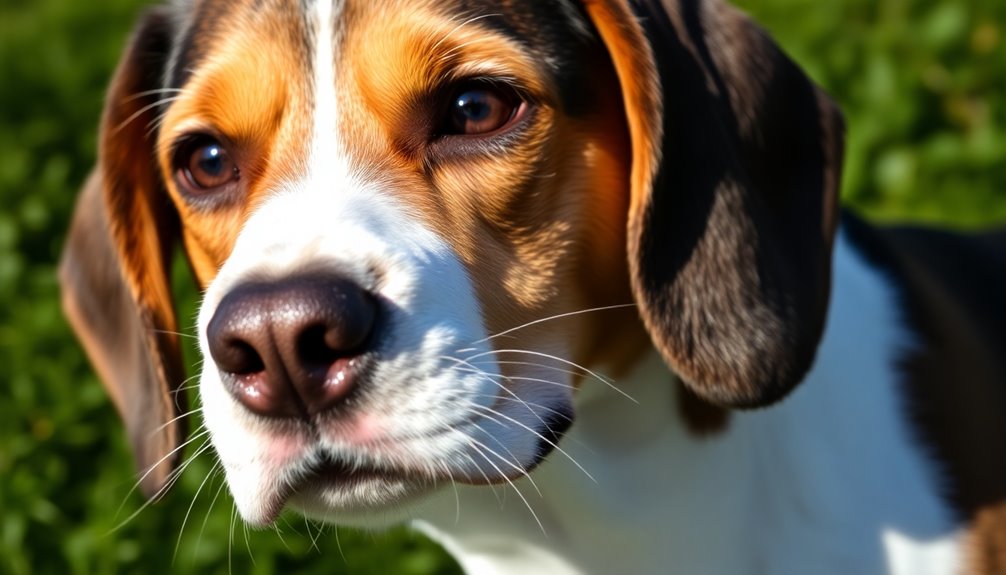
{"x":206,"y":164}
{"x":480,"y":109}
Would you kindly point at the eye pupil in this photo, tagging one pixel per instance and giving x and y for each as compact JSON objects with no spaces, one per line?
{"x":211,"y":160}
{"x":474,"y":105}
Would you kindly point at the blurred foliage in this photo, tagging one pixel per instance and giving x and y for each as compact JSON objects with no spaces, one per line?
{"x":921,"y":83}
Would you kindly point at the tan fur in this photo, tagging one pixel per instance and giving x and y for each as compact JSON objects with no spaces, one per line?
{"x":532,"y":249}
{"x":541,"y":228}
{"x":254,"y":94}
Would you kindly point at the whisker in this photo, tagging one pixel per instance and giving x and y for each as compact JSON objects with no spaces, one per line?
{"x":145,"y":93}
{"x":489,"y":482}
{"x":251,"y":554}
{"x":279,"y":534}
{"x":540,"y":406}
{"x":527,"y":363}
{"x":230,"y":540}
{"x":185,"y":388}
{"x":457,"y":48}
{"x":176,"y":393}
{"x":144,"y":476}
{"x":144,"y":110}
{"x":312,"y":536}
{"x":544,"y":355}
{"x":543,"y":407}
{"x":521,"y":378}
{"x":539,"y":436}
{"x":519,"y":494}
{"x":176,"y":474}
{"x":169,"y":482}
{"x":516,"y":398}
{"x":169,"y":332}
{"x":457,"y":496}
{"x":554,"y":317}
{"x":493,"y":381}
{"x":515,"y":463}
{"x":155,"y":124}
{"x":593,"y":374}
{"x":174,"y":419}
{"x":206,"y":517}
{"x":185,"y":520}
{"x":338,"y":545}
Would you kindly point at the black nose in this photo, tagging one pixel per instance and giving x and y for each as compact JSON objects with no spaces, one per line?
{"x":292,"y":347}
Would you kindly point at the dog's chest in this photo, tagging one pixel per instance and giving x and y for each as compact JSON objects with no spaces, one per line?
{"x":831,"y":478}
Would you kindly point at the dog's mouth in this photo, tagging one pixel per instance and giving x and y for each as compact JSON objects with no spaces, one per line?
{"x":332,"y":472}
{"x":360,"y":485}
{"x":334,"y":487}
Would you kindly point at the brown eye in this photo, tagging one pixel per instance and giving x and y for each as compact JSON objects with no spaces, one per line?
{"x":206,"y":164}
{"x":480,"y":109}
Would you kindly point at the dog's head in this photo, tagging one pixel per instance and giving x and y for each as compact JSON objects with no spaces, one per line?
{"x":375,"y":194}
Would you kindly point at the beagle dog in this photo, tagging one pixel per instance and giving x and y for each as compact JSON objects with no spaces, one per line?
{"x":563,"y":282}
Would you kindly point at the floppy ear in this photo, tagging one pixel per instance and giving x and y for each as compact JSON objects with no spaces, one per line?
{"x":734,"y":185}
{"x":115,"y":265}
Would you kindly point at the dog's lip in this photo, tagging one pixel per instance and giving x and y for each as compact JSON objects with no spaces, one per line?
{"x":326,"y":474}
{"x":340,"y":472}
{"x":348,"y":472}
{"x":332,"y":471}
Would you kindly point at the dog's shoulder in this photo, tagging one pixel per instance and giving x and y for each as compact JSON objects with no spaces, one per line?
{"x":950,"y":287}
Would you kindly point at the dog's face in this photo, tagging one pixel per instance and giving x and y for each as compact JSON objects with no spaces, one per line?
{"x":385,"y":201}
{"x":422,"y":159}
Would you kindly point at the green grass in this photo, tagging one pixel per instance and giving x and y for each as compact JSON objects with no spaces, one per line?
{"x":921,"y":84}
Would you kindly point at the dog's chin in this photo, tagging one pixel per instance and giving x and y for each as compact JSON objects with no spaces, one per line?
{"x":366,"y":499}
{"x":363,"y":489}
{"x":335,"y":492}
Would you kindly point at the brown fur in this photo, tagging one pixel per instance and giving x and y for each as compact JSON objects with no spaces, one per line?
{"x":531,"y":252}
{"x":254,"y":94}
{"x":730,"y":272}
{"x":114,"y":270}
{"x":678,"y":134}
{"x":542,"y":228}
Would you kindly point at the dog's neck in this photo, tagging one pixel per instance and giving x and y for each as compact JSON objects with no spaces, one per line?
{"x":831,"y":476}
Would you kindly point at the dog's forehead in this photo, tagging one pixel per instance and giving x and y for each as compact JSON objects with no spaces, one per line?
{"x":555,"y":31}
{"x":308,"y":92}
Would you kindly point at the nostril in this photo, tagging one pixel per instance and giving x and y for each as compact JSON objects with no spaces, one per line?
{"x":315,"y":347}
{"x":239,"y":357}
{"x":292,"y":347}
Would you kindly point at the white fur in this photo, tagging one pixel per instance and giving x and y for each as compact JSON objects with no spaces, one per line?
{"x":426,"y":410}
{"x":830,"y":481}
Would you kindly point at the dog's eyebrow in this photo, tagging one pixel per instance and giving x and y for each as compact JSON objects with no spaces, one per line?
{"x":201,"y":23}
{"x":558,"y":33}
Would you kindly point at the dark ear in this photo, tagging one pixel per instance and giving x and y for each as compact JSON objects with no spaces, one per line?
{"x":735,"y":179}
{"x":115,"y":265}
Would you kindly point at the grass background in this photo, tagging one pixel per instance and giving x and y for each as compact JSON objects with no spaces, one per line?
{"x":922,"y":85}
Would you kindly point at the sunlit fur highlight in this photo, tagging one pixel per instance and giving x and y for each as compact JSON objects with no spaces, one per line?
{"x":250,"y":92}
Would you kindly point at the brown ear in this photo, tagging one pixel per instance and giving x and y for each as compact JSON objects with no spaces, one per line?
{"x":115,"y":265}
{"x":735,"y":179}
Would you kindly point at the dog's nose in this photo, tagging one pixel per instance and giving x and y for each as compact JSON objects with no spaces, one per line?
{"x":292,"y":347}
